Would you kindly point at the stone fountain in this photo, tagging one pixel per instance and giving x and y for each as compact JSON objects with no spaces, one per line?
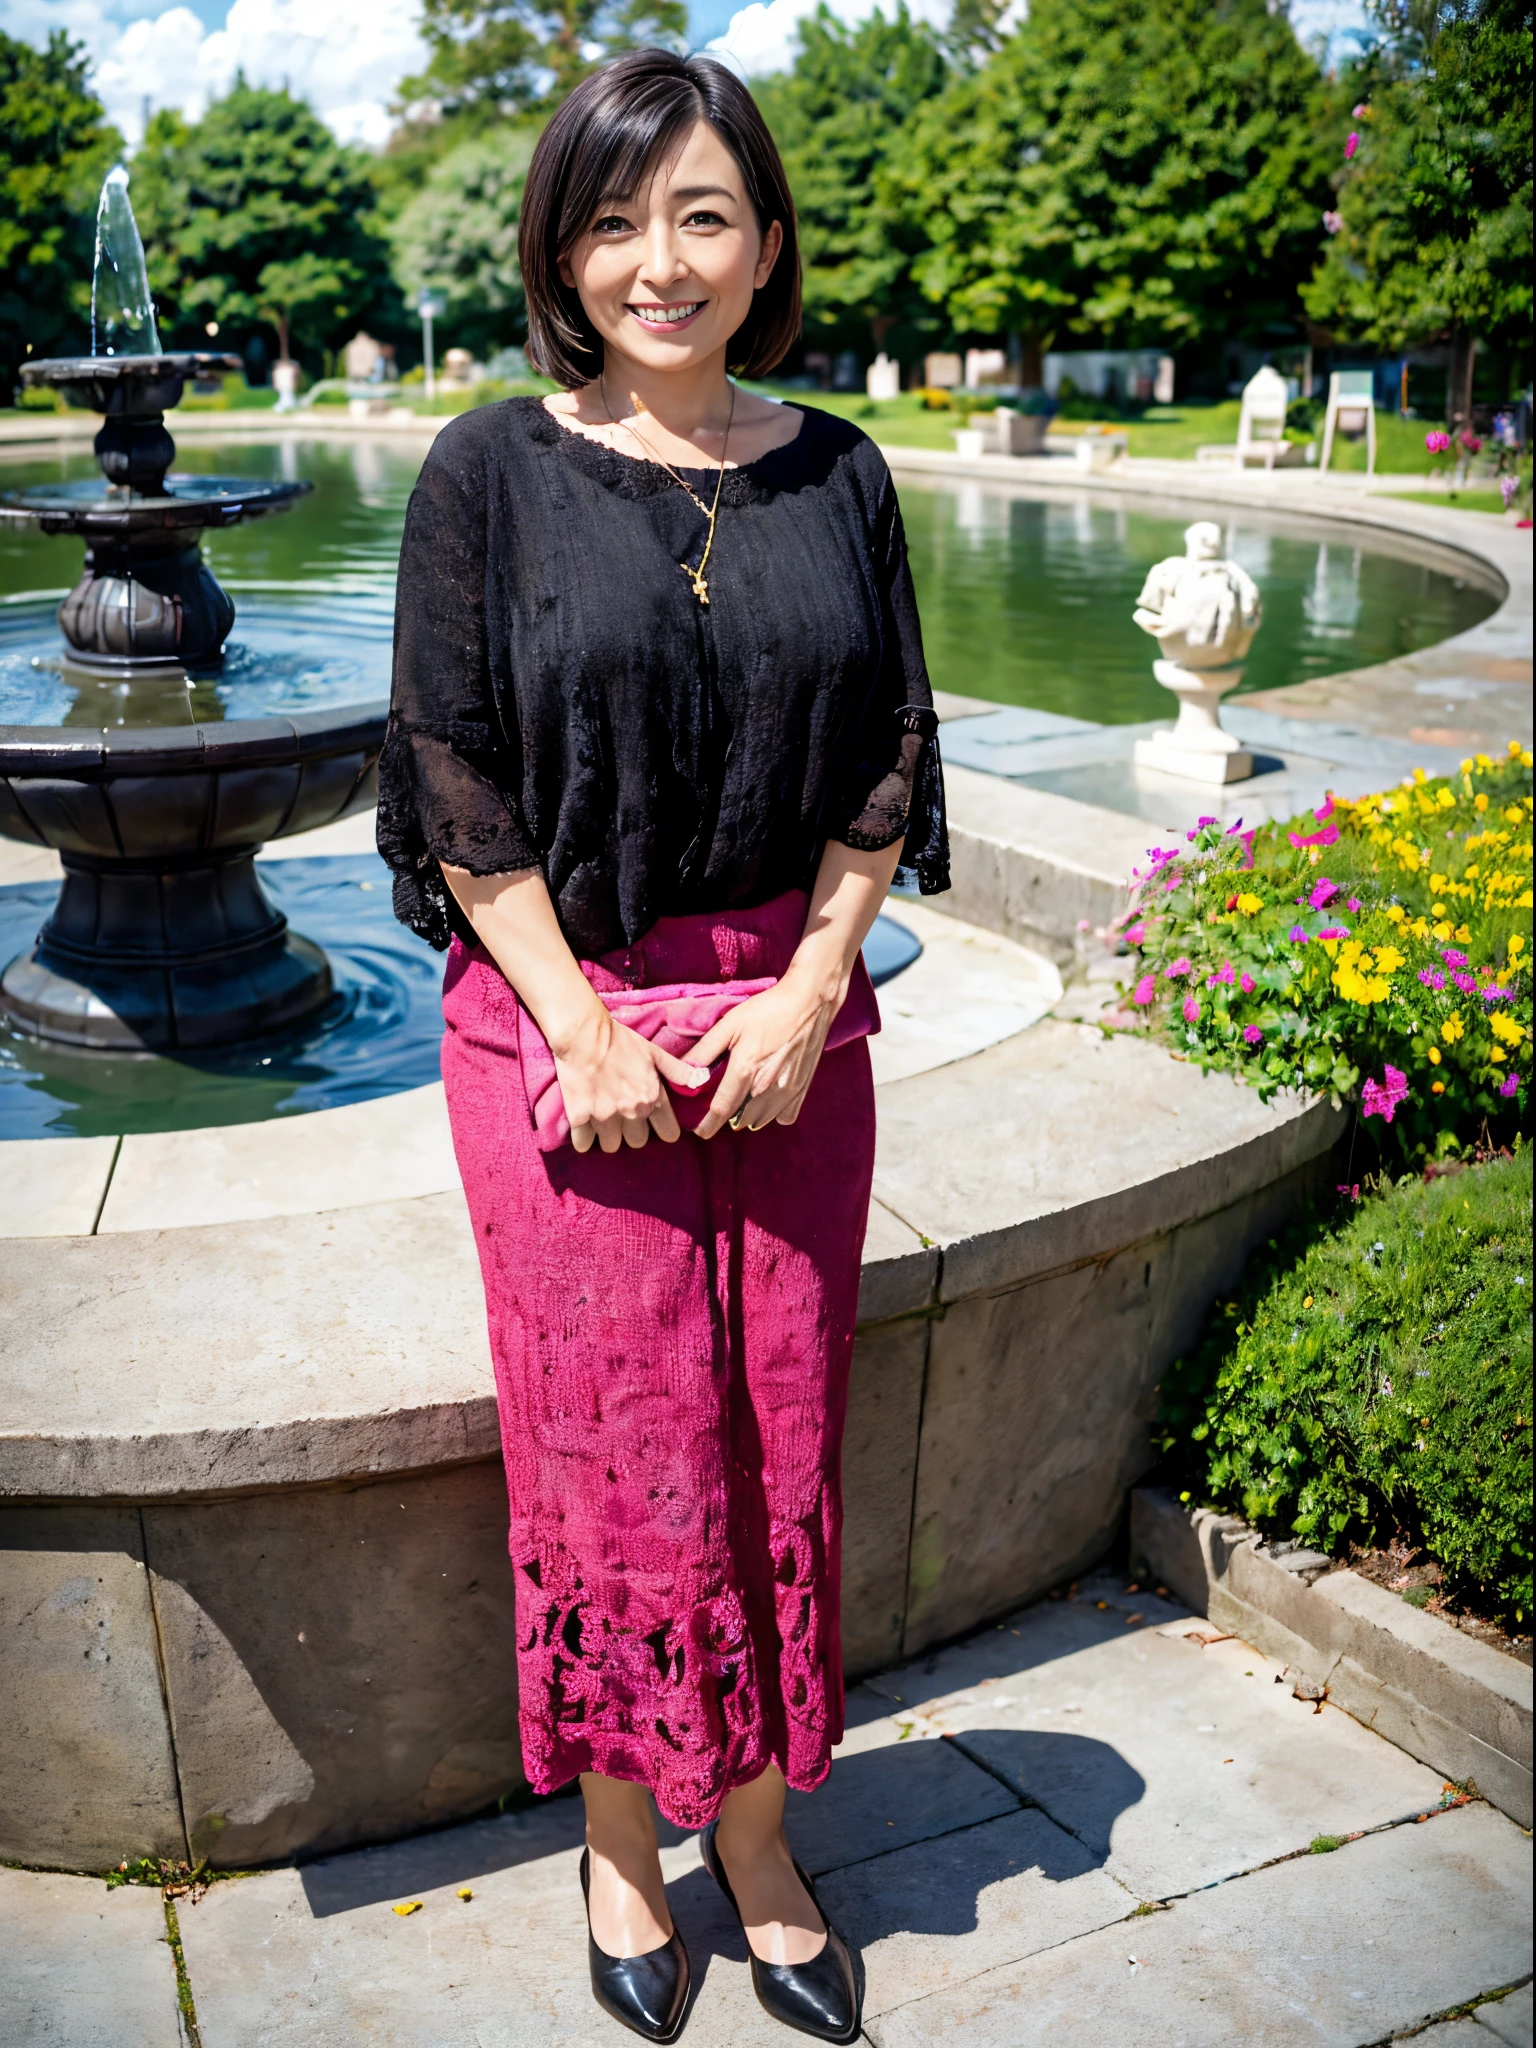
{"x":155,"y":798}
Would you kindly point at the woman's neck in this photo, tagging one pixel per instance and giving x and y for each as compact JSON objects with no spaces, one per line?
{"x":691,"y":405}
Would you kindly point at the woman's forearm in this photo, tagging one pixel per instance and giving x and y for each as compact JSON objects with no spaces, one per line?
{"x":514,"y":919}
{"x":849,"y":889}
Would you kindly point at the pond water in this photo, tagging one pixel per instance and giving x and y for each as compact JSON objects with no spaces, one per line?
{"x":1026,"y":599}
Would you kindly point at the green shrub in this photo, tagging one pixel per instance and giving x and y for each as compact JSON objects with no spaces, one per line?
{"x":1378,"y":950}
{"x":1373,"y":1375}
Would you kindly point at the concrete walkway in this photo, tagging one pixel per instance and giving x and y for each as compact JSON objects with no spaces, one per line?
{"x":1086,"y":1826}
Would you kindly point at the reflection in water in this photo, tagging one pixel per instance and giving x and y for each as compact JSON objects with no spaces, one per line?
{"x":1024,"y":600}
{"x":1332,"y":605}
{"x":1251,"y":551}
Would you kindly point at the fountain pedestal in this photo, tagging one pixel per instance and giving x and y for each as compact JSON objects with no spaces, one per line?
{"x":1198,"y":748}
{"x":162,"y":939}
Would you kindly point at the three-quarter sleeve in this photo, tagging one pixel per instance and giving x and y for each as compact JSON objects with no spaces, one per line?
{"x":894,"y":788}
{"x":451,"y":763}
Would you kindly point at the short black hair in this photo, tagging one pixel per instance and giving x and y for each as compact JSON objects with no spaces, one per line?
{"x":617,"y":125}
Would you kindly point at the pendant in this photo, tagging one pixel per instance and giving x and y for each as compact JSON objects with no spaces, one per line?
{"x":697,"y":578}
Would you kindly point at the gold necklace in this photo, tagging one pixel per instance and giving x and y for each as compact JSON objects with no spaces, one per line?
{"x":695,"y":576}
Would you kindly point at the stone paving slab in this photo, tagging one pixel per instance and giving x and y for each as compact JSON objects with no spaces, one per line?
{"x":891,"y":1785}
{"x":1339,"y":1951}
{"x":1509,"y":2019}
{"x":1170,"y":1761}
{"x":929,"y":1918}
{"x":80,"y":1966}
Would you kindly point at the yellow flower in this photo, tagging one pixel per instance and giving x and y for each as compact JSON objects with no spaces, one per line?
{"x":1388,"y":959}
{"x":1307,"y":1302}
{"x":1434,"y":1055}
{"x":1452,"y":1029}
{"x":1514,"y":814}
{"x":1250,"y":905}
{"x":1497,"y":1052}
{"x":1445,"y":800}
{"x":1437,"y":1087}
{"x":1516,"y":945}
{"x":1439,"y":908}
{"x":1442,"y":931}
{"x":1463,"y":935}
{"x":1395,"y":914}
{"x":1502,"y":1025}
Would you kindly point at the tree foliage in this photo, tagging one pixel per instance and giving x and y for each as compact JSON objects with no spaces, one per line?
{"x":840,"y":118}
{"x":56,"y":146}
{"x":256,"y":216}
{"x":1434,"y":204}
{"x":459,"y":235}
{"x":1138,"y":174}
{"x":502,"y":56}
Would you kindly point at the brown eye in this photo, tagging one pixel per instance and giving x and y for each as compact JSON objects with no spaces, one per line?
{"x":610,"y":224}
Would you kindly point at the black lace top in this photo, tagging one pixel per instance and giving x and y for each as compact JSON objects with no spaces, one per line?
{"x":562,"y":701}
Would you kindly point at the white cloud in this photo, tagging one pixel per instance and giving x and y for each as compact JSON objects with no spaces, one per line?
{"x":344,"y":56}
{"x":761,"y":38}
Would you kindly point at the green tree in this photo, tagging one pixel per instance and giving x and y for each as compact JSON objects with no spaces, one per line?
{"x":840,"y":117}
{"x":505,"y":56}
{"x":1432,"y":221}
{"x":256,"y":216}
{"x":1138,"y":175}
{"x":459,"y":235}
{"x":56,"y":146}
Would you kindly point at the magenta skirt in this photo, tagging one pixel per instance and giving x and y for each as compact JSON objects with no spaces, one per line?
{"x":671,"y":1330}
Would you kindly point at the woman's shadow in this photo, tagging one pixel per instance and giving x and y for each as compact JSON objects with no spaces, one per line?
{"x":906,"y":1838}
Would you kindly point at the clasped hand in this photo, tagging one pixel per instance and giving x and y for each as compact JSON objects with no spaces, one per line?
{"x":613,"y":1080}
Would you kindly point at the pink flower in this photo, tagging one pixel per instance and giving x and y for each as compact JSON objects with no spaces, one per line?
{"x":1437,"y":443}
{"x":1470,"y":442}
{"x":1351,"y":146}
{"x":1224,"y":975}
{"x":1326,"y":811}
{"x":1359,"y":113}
{"x":1332,"y":222}
{"x":1380,"y":1098}
{"x":1334,"y":931}
{"x":1297,"y":935}
{"x":1135,"y":935}
{"x":1145,"y":989}
{"x":1497,"y":995}
{"x":1191,"y":1010}
{"x":1247,"y":984}
{"x":1252,"y":1035}
{"x":1452,"y":958}
{"x":1432,"y":979}
{"x":1353,"y":903}
{"x":1467,"y":983}
{"x":1511,"y":1083}
{"x":1326,"y":837}
{"x":1323,"y":892}
{"x":1179,"y":969}
{"x":1344,"y":1188}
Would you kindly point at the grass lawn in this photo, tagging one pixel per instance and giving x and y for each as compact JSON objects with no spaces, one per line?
{"x":1463,"y":501}
{"x":1170,"y":432}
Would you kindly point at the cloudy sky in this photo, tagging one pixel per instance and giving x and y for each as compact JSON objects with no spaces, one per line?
{"x":344,"y":56}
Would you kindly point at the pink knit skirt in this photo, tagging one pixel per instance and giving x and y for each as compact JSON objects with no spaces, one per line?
{"x":671,"y":1330}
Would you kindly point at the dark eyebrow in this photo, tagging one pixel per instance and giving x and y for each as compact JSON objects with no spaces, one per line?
{"x":688,"y":194}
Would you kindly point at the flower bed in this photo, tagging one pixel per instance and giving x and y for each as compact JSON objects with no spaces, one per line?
{"x":1371,"y":1380}
{"x":1379,"y":950}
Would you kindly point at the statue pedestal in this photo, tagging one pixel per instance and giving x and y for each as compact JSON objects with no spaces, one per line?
{"x":1198,"y":749}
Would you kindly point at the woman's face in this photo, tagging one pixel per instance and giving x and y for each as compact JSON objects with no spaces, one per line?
{"x":666,"y":274}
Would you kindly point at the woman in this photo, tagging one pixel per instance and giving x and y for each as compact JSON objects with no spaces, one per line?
{"x":660,"y":730}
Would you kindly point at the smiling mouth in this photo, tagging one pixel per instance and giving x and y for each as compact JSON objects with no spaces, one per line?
{"x":667,"y":316}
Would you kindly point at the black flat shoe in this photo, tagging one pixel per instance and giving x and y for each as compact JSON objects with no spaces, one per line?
{"x":821,"y":1997}
{"x":649,"y":1993}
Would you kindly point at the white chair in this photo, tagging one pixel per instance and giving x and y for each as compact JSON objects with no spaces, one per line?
{"x":1260,"y":425}
{"x":1351,"y":410}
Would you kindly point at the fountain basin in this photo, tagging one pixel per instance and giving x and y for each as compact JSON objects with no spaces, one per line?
{"x":163,"y":937}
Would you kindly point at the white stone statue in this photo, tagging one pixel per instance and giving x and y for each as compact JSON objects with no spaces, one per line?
{"x":1203,"y":611}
